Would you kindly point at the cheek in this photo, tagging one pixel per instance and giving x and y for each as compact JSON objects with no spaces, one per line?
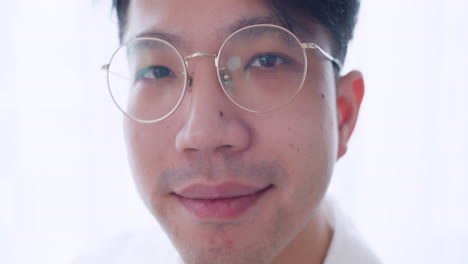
{"x":306,"y":140}
{"x":147,"y":150}
{"x":308,"y":131}
{"x":311,"y":147}
{"x":320,"y":136}
{"x":312,"y":159}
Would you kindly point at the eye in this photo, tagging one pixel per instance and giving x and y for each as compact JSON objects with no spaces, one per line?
{"x":154,"y":72}
{"x":267,"y":61}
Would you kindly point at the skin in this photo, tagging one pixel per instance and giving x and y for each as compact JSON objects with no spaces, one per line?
{"x":211,"y":140}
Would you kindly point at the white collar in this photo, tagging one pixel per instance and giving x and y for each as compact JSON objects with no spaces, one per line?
{"x":346,"y":245}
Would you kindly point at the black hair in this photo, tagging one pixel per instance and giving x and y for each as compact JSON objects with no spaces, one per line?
{"x":339,"y":17}
{"x":121,"y":8}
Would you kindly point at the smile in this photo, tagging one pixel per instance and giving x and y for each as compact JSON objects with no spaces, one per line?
{"x":222,"y":202}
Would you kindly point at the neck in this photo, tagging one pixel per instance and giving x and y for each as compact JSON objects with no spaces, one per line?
{"x":311,"y":244}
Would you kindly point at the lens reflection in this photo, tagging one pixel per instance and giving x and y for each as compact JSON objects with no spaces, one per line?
{"x":265,"y":66}
{"x":147,"y":79}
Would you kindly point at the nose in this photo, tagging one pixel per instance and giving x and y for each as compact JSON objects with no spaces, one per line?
{"x":212,"y":123}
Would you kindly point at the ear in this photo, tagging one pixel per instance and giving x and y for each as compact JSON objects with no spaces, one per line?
{"x":348,"y":101}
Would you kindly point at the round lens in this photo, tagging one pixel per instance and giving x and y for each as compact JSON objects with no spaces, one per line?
{"x":147,"y":79}
{"x":262,"y":67}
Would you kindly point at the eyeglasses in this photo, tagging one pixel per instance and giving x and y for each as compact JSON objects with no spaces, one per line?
{"x":261,"y":68}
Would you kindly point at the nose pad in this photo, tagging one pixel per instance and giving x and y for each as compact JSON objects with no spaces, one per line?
{"x":189,"y":83}
{"x":226,"y":79}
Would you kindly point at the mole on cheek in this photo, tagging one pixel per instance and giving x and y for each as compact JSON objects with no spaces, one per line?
{"x":229,"y":244}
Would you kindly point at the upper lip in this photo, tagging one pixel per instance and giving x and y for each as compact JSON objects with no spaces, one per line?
{"x":218,"y":191}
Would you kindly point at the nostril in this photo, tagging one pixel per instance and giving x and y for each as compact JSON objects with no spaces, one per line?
{"x":224,"y":147}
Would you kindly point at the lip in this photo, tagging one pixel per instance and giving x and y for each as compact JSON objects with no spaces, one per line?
{"x":219,"y":191}
{"x":225,"y":201}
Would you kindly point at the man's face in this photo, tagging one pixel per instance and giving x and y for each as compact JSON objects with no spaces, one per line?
{"x":227,"y":185}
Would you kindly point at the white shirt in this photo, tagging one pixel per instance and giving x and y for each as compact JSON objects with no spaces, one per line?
{"x":346,"y":245}
{"x":148,"y":247}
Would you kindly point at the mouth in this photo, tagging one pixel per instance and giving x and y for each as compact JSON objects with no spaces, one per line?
{"x":220,"y":202}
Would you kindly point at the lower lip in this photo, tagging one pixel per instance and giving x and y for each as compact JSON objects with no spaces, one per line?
{"x":222,"y":209}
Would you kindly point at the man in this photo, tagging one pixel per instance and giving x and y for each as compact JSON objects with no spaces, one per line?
{"x":236,"y":112}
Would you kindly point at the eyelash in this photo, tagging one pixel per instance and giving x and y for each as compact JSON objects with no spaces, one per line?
{"x":256,"y":60}
{"x":141,"y":74}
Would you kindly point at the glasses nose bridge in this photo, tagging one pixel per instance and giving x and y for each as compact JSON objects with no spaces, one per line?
{"x":193,"y":56}
{"x":200,"y":54}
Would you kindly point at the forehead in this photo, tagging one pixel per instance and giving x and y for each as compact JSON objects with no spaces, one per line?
{"x":181,"y":17}
{"x":205,"y":24}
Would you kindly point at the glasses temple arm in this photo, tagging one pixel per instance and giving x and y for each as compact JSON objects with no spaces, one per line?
{"x":324,"y":53}
{"x":105,"y":68}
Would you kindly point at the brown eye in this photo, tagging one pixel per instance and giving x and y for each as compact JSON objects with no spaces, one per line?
{"x":154,"y":72}
{"x":266,"y":61}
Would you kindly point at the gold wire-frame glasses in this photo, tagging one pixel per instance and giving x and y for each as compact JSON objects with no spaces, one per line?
{"x":224,"y":72}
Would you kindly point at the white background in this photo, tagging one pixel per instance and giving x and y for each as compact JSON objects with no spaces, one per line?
{"x":64,"y":181}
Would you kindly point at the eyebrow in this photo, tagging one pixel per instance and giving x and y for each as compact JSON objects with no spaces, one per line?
{"x":171,"y":38}
{"x":178,"y":40}
{"x":298,"y":29}
{"x":250,"y":21}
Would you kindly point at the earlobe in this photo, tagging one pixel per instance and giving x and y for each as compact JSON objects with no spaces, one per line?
{"x":349,"y":97}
